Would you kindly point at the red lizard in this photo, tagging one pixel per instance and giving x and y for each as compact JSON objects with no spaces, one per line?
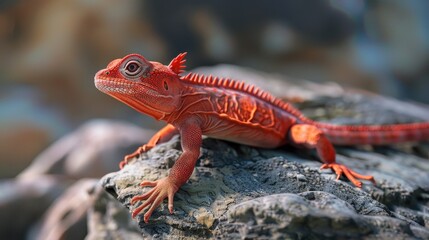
{"x":196,"y":105}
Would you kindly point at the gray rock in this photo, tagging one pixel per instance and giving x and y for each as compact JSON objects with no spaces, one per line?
{"x":311,"y":214}
{"x":108,"y":219}
{"x":243,"y":192}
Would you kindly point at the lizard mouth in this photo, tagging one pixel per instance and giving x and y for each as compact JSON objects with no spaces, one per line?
{"x":130,"y":93}
{"x":113,"y":85}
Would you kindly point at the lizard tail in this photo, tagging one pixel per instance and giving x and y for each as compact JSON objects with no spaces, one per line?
{"x":375,"y":134}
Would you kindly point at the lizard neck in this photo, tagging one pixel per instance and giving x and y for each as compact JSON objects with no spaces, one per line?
{"x":193,"y":100}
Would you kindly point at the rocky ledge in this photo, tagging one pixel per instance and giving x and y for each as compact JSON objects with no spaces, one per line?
{"x":242,"y":192}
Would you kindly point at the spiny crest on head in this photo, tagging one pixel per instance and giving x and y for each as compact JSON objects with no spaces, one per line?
{"x":177,"y":65}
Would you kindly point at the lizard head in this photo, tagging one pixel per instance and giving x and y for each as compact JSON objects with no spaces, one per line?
{"x":149,"y":87}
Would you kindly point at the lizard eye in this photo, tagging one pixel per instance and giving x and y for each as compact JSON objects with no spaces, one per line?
{"x":133,"y":68}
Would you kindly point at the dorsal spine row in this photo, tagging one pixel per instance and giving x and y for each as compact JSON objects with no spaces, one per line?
{"x":241,"y":86}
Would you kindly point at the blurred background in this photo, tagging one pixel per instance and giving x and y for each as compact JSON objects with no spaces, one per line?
{"x":51,"y":49}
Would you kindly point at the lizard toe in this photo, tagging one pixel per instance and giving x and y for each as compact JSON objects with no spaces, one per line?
{"x":351,"y":175}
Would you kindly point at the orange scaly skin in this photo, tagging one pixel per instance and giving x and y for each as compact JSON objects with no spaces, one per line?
{"x":194,"y":105}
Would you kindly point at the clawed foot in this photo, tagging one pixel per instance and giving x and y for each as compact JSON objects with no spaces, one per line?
{"x":350,"y":174}
{"x":136,"y":153}
{"x":163,"y":188}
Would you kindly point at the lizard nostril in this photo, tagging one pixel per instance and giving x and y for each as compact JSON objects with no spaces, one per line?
{"x":107,"y":72}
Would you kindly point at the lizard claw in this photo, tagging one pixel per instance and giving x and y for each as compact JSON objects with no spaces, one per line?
{"x":350,"y":174}
{"x":163,"y":188}
{"x":136,"y":153}
{"x":128,"y":157}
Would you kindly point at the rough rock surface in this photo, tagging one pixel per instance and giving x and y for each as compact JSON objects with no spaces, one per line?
{"x":108,"y":219}
{"x":242,"y":192}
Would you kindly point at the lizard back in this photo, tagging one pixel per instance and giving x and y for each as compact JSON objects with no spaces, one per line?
{"x":240,"y":86}
{"x":237,"y":111}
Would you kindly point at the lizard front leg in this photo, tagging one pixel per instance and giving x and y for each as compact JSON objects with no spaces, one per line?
{"x":163,"y":135}
{"x":310,"y":136}
{"x":191,"y":139}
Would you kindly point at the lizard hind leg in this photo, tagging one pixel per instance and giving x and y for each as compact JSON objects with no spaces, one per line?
{"x":309,"y":136}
